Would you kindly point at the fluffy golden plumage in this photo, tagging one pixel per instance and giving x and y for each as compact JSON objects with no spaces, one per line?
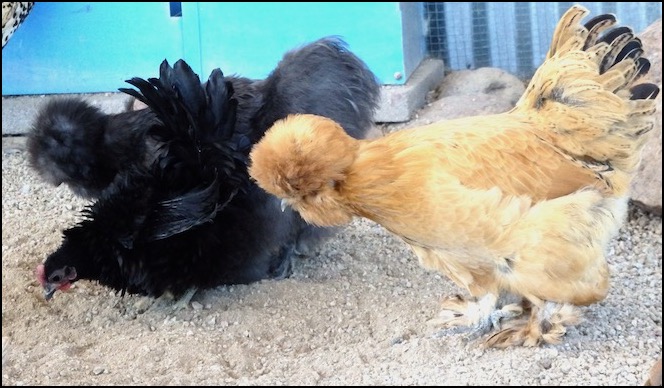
{"x":517,"y":208}
{"x":655,"y":376}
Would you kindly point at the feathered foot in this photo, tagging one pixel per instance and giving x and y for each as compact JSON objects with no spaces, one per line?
{"x":654,"y":379}
{"x":546,"y":324}
{"x":166,"y":299}
{"x":183,"y":302}
{"x":479,"y":317}
{"x":143,"y":304}
{"x":284,"y":264}
{"x":310,"y":240}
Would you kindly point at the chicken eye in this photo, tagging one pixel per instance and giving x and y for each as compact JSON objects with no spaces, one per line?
{"x":55,"y":278}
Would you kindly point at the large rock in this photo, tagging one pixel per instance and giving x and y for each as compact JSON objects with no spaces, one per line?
{"x":647,"y":185}
{"x":469,"y":93}
{"x":485,"y":80}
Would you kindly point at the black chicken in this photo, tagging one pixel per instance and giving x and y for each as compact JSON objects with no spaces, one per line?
{"x":245,"y":239}
{"x":159,"y":216}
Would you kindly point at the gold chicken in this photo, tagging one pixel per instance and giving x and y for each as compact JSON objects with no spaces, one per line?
{"x":516,"y":208}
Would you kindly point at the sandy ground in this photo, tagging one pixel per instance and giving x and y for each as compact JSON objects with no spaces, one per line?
{"x":356,"y":314}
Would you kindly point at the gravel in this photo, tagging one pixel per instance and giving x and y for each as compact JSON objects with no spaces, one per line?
{"x":356,"y":314}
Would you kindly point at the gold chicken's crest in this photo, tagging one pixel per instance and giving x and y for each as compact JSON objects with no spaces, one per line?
{"x":517,"y":208}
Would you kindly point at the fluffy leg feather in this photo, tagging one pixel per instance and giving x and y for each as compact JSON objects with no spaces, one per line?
{"x":480,"y":316}
{"x":546,"y":324}
{"x":166,"y":299}
{"x":183,"y":302}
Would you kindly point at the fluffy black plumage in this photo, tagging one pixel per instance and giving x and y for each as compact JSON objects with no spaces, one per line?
{"x":153,"y":218}
{"x":249,"y":238}
{"x":75,"y":143}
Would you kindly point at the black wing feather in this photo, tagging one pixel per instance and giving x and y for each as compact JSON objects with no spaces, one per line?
{"x":199,"y":167}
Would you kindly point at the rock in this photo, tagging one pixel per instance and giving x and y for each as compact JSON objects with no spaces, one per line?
{"x":452,"y":107}
{"x":98,"y":370}
{"x":471,"y":93}
{"x":647,"y":184}
{"x":485,"y":80}
{"x":546,"y":362}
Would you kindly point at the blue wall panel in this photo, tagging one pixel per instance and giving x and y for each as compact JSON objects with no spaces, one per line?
{"x":94,"y":47}
{"x":88,"y":47}
{"x":250,"y":38}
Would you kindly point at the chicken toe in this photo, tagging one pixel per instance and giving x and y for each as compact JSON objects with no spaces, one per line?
{"x":546,"y":324}
{"x":478,"y":317}
{"x":183,"y":302}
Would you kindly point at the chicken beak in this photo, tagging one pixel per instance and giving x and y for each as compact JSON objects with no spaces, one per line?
{"x":284,"y":205}
{"x":49,"y":290}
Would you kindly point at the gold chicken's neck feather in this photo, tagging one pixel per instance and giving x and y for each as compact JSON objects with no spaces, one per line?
{"x":515,"y":206}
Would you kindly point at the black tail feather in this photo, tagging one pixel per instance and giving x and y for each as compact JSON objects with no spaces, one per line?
{"x":600,"y":20}
{"x":198,"y":167}
{"x":595,"y":26}
{"x":643,"y":66}
{"x":644,"y":92}
{"x":612,"y":35}
{"x":632,"y":50}
{"x":618,"y":38}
